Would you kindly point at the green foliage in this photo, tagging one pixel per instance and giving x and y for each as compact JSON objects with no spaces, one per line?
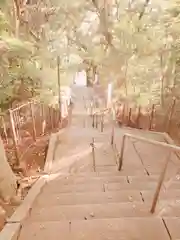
{"x":135,"y":46}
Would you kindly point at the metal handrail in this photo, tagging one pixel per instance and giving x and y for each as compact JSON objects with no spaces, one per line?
{"x":96,"y":115}
{"x":162,"y":175}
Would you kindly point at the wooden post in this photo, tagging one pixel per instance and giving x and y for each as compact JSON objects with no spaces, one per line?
{"x":54,"y":117}
{"x":93,"y":120}
{"x":151,"y":116}
{"x":93,"y":154}
{"x":113,"y":125}
{"x":121,"y":153}
{"x":123,"y":113}
{"x":59,"y":88}
{"x":112,"y":134}
{"x":102,"y":122}
{"x":96,"y":120}
{"x":129,"y":116}
{"x":33,"y":121}
{"x":170,"y":115}
{"x":4,"y":128}
{"x":138,"y":116}
{"x":160,"y":182}
{"x":43,"y":119}
{"x":50,"y":117}
{"x":17,"y":124}
{"x":42,"y":111}
{"x":14,"y":138}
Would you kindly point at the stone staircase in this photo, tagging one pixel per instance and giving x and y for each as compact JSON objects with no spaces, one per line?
{"x":106,"y":204}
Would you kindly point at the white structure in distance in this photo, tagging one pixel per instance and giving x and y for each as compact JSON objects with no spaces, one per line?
{"x":80,"y":78}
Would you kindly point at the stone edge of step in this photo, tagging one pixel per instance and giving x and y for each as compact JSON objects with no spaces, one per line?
{"x":13,"y":225}
{"x":51,"y":150}
{"x":10,"y":232}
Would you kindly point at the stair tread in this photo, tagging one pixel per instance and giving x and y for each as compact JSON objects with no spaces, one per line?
{"x":173,"y":227}
{"x":131,"y":172}
{"x":90,"y":211}
{"x":97,"y":229}
{"x":49,"y":188}
{"x":169,"y":194}
{"x":89,"y":197}
{"x":169,"y":208}
{"x":99,"y":186}
{"x":94,"y":179}
{"x":138,"y":185}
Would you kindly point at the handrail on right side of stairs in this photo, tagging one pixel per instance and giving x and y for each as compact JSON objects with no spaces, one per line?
{"x":163,"y":173}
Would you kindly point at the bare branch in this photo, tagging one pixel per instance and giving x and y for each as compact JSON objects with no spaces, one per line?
{"x":143,"y":9}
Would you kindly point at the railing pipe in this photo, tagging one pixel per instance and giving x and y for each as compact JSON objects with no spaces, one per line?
{"x":138,"y":116}
{"x":93,"y":120}
{"x":151,"y":117}
{"x":153,"y":142}
{"x":162,"y":176}
{"x":121,"y":153}
{"x":96,"y":120}
{"x":112,"y":135}
{"x":93,"y":154}
{"x":160,"y":182}
{"x":102,"y":121}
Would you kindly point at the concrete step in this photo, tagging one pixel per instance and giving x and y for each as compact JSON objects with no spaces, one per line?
{"x":114,"y":229}
{"x":104,"y":156}
{"x":130,"y":172}
{"x":170,"y":194}
{"x":89,"y":198}
{"x":130,"y":186}
{"x":99,"y":186}
{"x":104,"y":168}
{"x":55,"y":188}
{"x":90,"y":211}
{"x":169,"y":208}
{"x":173,"y":184}
{"x":172,"y":225}
{"x":105,"y":178}
{"x":151,"y":178}
{"x":87,"y":180}
{"x":97,"y":229}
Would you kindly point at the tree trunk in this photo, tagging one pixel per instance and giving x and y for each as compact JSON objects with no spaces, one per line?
{"x":8,"y":185}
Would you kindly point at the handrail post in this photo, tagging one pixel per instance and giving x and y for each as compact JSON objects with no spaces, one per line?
{"x":96,"y":120}
{"x":159,"y":185}
{"x":14,"y":137}
{"x":170,"y":115}
{"x":33,"y":120}
{"x":113,"y":126}
{"x":123,"y":113}
{"x":138,"y":116}
{"x":102,"y":122}
{"x":93,"y":154}
{"x":121,"y":153}
{"x":112,"y":134}
{"x":93,"y":119}
{"x":151,"y":116}
{"x":129,"y":117}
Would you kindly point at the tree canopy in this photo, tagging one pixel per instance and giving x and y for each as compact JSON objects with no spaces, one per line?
{"x":135,"y":44}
